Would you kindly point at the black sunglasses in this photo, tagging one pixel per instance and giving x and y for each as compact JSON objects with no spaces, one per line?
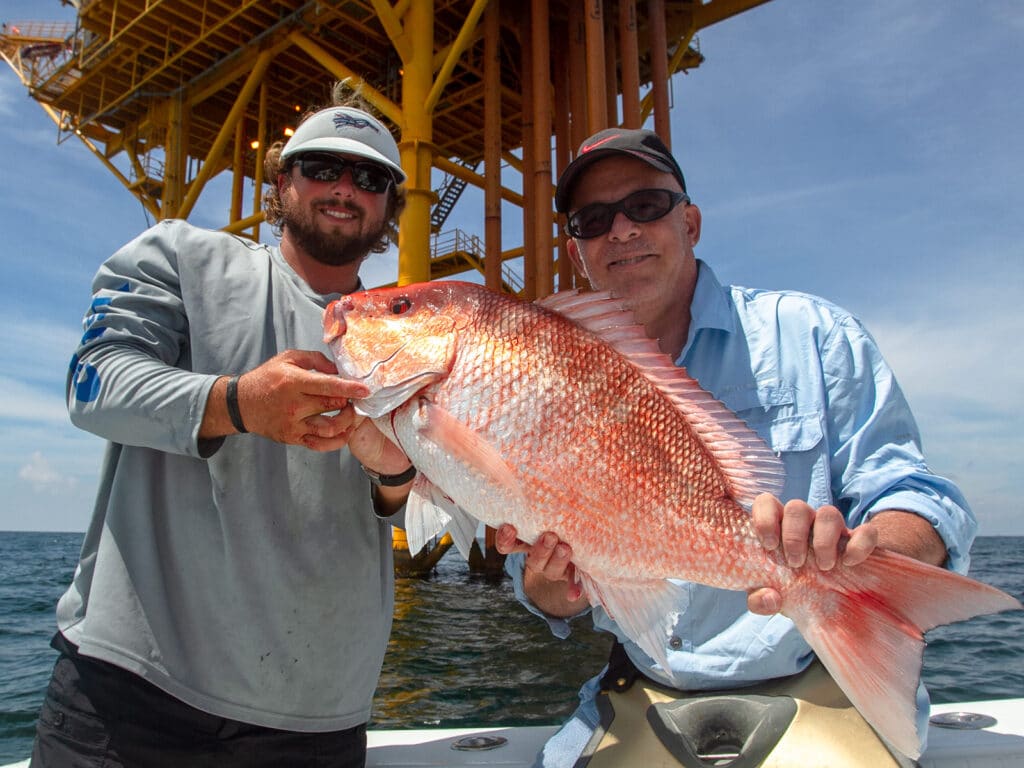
{"x":366,"y":175}
{"x":642,"y":206}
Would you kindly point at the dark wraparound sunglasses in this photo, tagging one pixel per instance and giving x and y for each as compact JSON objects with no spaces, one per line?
{"x":642,"y":206}
{"x":366,"y":175}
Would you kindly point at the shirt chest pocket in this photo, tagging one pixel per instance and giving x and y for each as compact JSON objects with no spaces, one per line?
{"x":794,"y":432}
{"x":773,"y":412}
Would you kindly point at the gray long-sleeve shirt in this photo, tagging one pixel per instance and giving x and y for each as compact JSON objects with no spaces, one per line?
{"x":247,"y":578}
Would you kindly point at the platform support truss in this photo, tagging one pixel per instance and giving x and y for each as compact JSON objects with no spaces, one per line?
{"x":170,"y":94}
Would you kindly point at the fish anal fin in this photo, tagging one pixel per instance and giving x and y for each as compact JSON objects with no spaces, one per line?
{"x":429,"y":512}
{"x":644,"y":610}
{"x":424,"y":518}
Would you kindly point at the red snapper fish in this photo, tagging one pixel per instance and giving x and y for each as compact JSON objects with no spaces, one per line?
{"x":562,"y":416}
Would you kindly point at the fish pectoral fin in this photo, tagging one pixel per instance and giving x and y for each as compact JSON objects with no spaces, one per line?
{"x":467,"y":447}
{"x":429,"y":512}
{"x":644,"y":610}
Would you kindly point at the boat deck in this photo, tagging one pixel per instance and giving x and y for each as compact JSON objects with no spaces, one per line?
{"x":999,"y":744}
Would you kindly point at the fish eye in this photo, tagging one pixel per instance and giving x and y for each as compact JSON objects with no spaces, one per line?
{"x":400,"y":306}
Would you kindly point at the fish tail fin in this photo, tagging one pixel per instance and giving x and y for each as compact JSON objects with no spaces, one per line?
{"x":868,"y":631}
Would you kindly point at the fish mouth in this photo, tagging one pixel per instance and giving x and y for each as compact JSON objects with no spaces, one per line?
{"x":352,"y":373}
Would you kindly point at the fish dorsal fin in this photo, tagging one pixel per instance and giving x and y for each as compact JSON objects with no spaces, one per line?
{"x":748,"y":464}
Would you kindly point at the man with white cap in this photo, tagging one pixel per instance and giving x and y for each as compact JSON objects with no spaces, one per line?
{"x":233,"y":599}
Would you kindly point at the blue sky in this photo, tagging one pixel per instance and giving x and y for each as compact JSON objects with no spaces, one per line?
{"x":869,"y":152}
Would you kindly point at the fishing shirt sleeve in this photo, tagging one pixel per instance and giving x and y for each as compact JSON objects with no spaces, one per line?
{"x":130,"y":380}
{"x":515,"y":564}
{"x":876,"y":462}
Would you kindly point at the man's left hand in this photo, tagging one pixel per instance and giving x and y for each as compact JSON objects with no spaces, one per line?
{"x":796,"y":529}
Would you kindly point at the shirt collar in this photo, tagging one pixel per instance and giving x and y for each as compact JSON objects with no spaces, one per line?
{"x":710,"y":307}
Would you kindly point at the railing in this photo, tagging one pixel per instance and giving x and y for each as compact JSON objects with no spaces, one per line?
{"x":456,"y":241}
{"x":36,"y":49}
{"x":449,"y":196}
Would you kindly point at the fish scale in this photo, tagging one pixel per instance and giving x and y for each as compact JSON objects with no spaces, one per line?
{"x":562,"y":416}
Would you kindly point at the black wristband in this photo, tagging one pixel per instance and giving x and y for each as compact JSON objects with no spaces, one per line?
{"x":390,"y":481}
{"x":232,"y":402}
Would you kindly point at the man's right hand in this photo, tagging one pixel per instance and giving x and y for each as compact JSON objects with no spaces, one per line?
{"x":286,"y":399}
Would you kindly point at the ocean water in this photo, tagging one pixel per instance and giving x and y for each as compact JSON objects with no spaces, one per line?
{"x":463,"y":652}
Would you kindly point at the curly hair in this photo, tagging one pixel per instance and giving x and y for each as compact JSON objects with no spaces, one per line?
{"x":342,"y":95}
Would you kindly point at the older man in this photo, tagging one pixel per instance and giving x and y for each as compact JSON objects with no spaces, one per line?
{"x":803,"y":373}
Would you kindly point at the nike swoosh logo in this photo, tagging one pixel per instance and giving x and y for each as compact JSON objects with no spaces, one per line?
{"x":588,"y":147}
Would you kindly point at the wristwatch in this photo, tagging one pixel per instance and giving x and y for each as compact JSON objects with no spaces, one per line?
{"x":389,"y":481}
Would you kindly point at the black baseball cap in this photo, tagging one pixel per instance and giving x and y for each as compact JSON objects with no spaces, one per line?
{"x":642,"y":144}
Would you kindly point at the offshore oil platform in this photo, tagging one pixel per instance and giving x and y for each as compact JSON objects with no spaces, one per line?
{"x":494,"y":94}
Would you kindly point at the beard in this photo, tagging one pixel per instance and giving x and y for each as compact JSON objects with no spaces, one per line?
{"x":332,"y":248}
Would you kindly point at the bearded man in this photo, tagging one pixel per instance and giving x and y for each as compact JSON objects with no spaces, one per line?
{"x":233,"y":599}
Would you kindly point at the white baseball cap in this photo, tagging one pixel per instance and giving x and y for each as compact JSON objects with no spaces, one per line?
{"x":345,"y":130}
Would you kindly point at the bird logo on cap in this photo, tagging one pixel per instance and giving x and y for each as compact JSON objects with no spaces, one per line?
{"x":343,"y":120}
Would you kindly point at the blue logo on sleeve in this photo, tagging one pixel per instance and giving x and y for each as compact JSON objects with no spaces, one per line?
{"x":86,"y":379}
{"x":90,"y":324}
{"x":86,"y":383}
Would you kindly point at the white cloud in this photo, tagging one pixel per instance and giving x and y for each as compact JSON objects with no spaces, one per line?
{"x":49,"y":474}
{"x":33,"y":348}
{"x":42,"y":476}
{"x":23,"y":402}
{"x":953,"y":356}
{"x":11,"y":92}
{"x":380,"y":268}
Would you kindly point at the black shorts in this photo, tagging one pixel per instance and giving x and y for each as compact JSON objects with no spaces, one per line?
{"x":98,"y":715}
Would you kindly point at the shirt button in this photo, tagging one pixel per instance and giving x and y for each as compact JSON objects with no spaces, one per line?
{"x":675,"y":643}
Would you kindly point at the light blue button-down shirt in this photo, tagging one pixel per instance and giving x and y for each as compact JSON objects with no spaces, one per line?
{"x":810,"y":380}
